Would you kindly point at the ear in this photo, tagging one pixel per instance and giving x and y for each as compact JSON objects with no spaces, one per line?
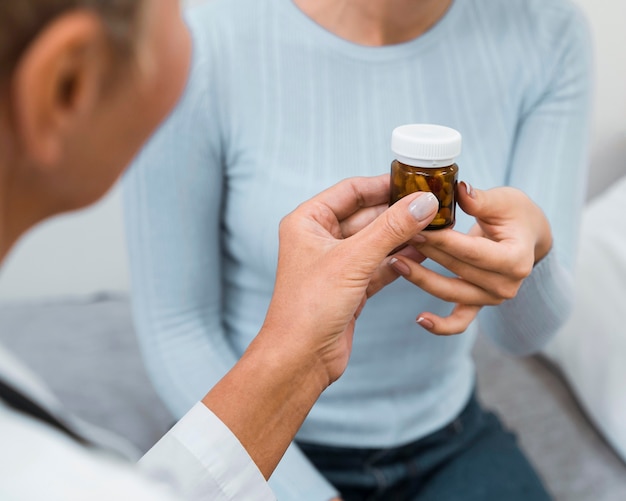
{"x":57,"y":82}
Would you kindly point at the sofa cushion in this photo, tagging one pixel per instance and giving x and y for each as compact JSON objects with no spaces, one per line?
{"x":591,"y":348}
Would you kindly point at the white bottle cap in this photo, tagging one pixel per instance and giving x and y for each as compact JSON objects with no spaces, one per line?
{"x":425,"y":145}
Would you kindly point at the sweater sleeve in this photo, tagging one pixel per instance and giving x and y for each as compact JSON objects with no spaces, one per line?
{"x":173,"y":197}
{"x":549,"y":163}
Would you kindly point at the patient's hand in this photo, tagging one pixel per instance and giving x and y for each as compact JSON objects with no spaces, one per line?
{"x":511,"y":234}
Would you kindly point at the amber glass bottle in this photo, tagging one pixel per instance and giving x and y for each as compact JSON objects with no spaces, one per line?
{"x":424,"y":161}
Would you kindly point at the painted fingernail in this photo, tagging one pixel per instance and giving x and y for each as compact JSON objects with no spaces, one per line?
{"x":471,"y":192}
{"x":400,"y":267}
{"x":424,"y":322}
{"x":423,"y":206}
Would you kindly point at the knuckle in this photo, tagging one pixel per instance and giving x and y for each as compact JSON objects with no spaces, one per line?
{"x":506,"y":291}
{"x":394,"y":228}
{"x":521,"y":269}
{"x":287,"y":225}
{"x":283,"y":225}
{"x":518,"y":264}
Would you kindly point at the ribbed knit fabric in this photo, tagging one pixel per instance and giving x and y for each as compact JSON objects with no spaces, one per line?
{"x":278,"y":109}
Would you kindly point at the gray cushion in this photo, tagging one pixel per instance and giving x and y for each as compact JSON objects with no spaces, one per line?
{"x":86,"y":351}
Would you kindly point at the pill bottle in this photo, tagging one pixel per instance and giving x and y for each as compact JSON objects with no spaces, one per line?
{"x":424,"y":161}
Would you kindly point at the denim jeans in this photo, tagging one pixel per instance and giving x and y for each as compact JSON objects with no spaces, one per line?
{"x":474,"y":458}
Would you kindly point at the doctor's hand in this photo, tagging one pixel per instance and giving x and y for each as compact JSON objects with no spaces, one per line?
{"x":490,"y":263}
{"x":332,"y":248}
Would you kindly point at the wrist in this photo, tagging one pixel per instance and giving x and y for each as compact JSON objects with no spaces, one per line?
{"x":283,"y":352}
{"x":543,"y":246}
{"x":267,"y":395}
{"x":543,"y":243}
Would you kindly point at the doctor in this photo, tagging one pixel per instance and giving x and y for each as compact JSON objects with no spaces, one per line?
{"x":83,"y":83}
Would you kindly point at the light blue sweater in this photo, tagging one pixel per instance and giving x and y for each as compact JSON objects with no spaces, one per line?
{"x":277,"y":109}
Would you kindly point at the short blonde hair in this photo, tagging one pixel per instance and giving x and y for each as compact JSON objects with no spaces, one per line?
{"x":22,"y":20}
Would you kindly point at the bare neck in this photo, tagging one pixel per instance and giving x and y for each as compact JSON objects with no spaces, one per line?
{"x":8,"y":232}
{"x":20,"y":208}
{"x":6,"y":239}
{"x":375,"y":22}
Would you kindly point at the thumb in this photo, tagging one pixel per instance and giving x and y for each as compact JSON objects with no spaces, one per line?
{"x":470,"y":199}
{"x":398,"y":224}
{"x":486,"y":205}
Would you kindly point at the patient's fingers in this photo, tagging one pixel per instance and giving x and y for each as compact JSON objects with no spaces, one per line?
{"x":479,"y":252}
{"x":493,"y":282}
{"x":457,"y":322}
{"x":449,"y":289}
{"x":387,"y":274}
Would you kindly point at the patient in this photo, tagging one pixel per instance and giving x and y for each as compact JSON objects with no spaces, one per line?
{"x":83,"y":83}
{"x":305,"y":93}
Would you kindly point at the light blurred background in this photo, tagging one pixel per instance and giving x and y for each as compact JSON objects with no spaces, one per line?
{"x":85,"y":253}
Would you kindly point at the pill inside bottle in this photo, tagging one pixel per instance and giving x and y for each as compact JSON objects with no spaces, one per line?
{"x":425,"y":161}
